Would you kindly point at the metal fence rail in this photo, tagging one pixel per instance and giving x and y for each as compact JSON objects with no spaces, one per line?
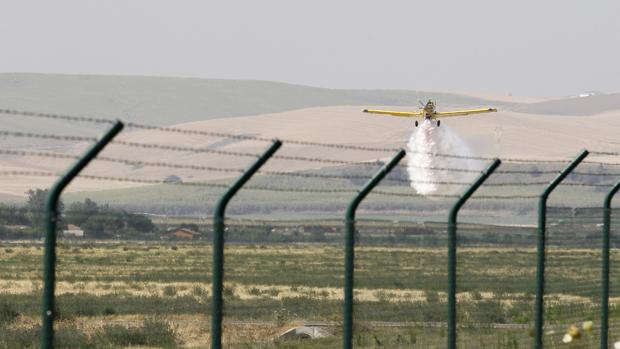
{"x":349,"y":247}
{"x":218,"y":244}
{"x":51,"y":219}
{"x":540,"y":242}
{"x":452,"y":249}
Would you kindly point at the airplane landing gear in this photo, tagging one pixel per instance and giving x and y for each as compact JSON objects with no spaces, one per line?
{"x":438,"y":123}
{"x":416,"y":123}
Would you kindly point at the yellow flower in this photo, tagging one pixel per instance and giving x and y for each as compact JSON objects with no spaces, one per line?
{"x":573,"y":331}
{"x":587,"y":326}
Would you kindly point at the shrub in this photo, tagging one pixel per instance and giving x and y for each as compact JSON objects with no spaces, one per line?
{"x":151,"y":333}
{"x":198,"y":291}
{"x":229,"y":292}
{"x":8,"y":313}
{"x":20,"y":338}
{"x":29,"y":337}
{"x":170,"y":291}
{"x":490,"y":311}
{"x":72,"y":338}
{"x":431,"y":296}
{"x":273,"y":292}
{"x":109,"y":311}
{"x":282,"y":316}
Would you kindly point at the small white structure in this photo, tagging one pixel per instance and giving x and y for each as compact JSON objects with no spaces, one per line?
{"x":74,"y":231}
{"x":590,"y":94}
{"x":304,"y":332}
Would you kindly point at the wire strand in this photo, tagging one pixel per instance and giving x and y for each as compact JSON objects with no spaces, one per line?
{"x":263,"y":139}
{"x":255,"y":187}
{"x":130,"y":162}
{"x":186,"y":149}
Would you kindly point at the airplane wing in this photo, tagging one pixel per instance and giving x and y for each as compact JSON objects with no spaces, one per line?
{"x":465,"y":112}
{"x":404,"y":114}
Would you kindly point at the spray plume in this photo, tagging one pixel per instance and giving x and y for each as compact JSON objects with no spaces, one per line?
{"x":424,"y":166}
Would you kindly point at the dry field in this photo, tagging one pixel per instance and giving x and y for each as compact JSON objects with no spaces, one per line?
{"x":505,"y":134}
{"x":272,"y":287}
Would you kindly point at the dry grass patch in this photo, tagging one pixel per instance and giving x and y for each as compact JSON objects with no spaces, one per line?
{"x":106,"y":288}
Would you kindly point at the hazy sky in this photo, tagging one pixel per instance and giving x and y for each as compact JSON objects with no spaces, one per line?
{"x":525,"y":47}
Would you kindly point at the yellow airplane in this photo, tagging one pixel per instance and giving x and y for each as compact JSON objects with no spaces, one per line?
{"x":429,"y":113}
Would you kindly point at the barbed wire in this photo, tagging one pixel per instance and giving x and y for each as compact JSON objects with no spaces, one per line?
{"x":608,"y":153}
{"x":257,"y":138}
{"x":131,"y":162}
{"x":111,"y":178}
{"x":252,"y":155}
{"x":534,"y":161}
{"x":249,"y":187}
{"x":599,"y":185}
{"x":184,"y":166}
{"x":297,"y":174}
{"x":154,"y":181}
{"x":47,"y":136}
{"x":531,"y":172}
{"x":595,"y":174}
{"x":174,"y":148}
{"x":187,"y":132}
{"x":125,"y":143}
{"x":56,"y":116}
{"x":485,"y":197}
{"x":183,"y":149}
{"x":264,"y":139}
{"x":503,"y":197}
{"x":594,"y":162}
{"x":331,"y":145}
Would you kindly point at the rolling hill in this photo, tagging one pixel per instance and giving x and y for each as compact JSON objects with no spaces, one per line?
{"x":168,"y":101}
{"x":267,"y":110}
{"x":580,"y":106}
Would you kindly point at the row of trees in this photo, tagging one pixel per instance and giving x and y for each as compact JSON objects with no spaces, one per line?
{"x":103,"y":221}
{"x":97,"y":221}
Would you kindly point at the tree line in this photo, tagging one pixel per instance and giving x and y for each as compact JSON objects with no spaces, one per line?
{"x":96,"y":220}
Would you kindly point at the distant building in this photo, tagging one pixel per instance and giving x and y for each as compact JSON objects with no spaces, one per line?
{"x":180,"y":233}
{"x":590,"y":94}
{"x":74,"y":231}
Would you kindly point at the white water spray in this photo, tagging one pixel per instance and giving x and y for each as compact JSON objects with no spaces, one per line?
{"x":425,"y":166}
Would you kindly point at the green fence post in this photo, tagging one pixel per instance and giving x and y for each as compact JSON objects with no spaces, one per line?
{"x":605,"y":269}
{"x":452,"y":249}
{"x":51,"y":220}
{"x":540,"y":246}
{"x":349,"y":246}
{"x":218,"y":243}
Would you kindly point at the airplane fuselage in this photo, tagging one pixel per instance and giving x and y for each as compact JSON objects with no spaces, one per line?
{"x":429,"y":111}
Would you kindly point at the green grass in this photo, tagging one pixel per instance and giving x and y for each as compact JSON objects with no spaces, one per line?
{"x":151,"y":333}
{"x":499,"y":282}
{"x":192,"y":201}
